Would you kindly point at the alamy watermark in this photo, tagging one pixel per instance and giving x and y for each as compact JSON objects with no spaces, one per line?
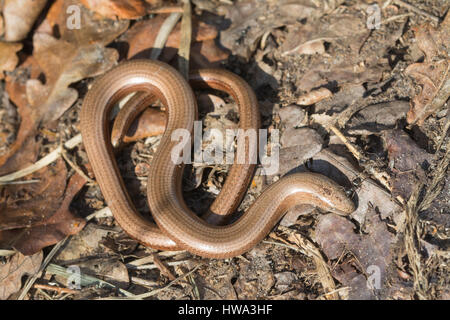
{"x":73,"y":17}
{"x":374,"y":278}
{"x":252,"y":144}
{"x":74,"y":280}
{"x":373,"y":17}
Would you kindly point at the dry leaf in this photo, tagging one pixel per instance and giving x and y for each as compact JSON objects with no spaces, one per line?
{"x":121,"y":9}
{"x":23,"y":205}
{"x":58,"y":224}
{"x":75,"y":55}
{"x":408,"y":162}
{"x":433,"y":73}
{"x":252,"y":19}
{"x":11,"y":272}
{"x":337,"y":237}
{"x":8,"y":57}
{"x":63,"y":64}
{"x":152,"y":122}
{"x":19,"y":17}
{"x":377,"y":117}
{"x":141,"y":37}
{"x":23,"y":151}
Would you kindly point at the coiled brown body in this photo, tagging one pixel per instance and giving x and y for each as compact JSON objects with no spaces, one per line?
{"x":177,"y":226}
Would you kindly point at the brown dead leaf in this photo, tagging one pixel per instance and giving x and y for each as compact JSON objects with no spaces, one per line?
{"x":377,"y":117}
{"x":61,"y":223}
{"x":372,"y":251}
{"x":23,"y":151}
{"x":432,"y":74}
{"x":206,"y":54}
{"x":120,"y":9}
{"x":152,"y":122}
{"x":347,"y":60}
{"x":11,"y":272}
{"x":37,"y":215}
{"x":251,"y":19}
{"x":19,"y":17}
{"x":408,"y":162}
{"x":26,"y":204}
{"x":8,"y":57}
{"x":63,"y":64}
{"x":76,"y":54}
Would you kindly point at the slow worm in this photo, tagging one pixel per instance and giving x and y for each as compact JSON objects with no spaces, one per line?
{"x":177,"y":226}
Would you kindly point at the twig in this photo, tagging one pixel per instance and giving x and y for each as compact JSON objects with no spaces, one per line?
{"x":162,"y":267}
{"x":20,"y":182}
{"x":156,"y":291}
{"x":45,"y":161}
{"x":102,"y":213}
{"x":416,"y":10}
{"x":85,"y":280}
{"x":400,"y":16}
{"x":381,"y":177}
{"x":163,"y":34}
{"x":6,"y":253}
{"x":143,"y":282}
{"x":309,"y":249}
{"x":74,"y":166}
{"x":166,"y":9}
{"x":53,"y":288}
{"x":45,"y":294}
{"x":185,"y":40}
{"x":32,"y":279}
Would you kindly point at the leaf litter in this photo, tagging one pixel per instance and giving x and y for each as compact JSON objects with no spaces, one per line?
{"x":338,"y":92}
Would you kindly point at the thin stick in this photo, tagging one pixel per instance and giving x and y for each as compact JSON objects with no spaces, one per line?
{"x":74,"y":166}
{"x":400,"y":16}
{"x":45,"y":161}
{"x":6,"y":253}
{"x":166,"y":9}
{"x":416,"y":10}
{"x":53,"y":288}
{"x":102,"y":213}
{"x":44,"y":264}
{"x":156,"y":291}
{"x":163,"y":34}
{"x":185,"y":40}
{"x":20,"y":182}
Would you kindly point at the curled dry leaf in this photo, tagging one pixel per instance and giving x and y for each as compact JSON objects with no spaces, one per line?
{"x":19,"y":17}
{"x":432,"y":74}
{"x":8,"y":57}
{"x":11,"y":272}
{"x":151,"y":122}
{"x":314,"y":96}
